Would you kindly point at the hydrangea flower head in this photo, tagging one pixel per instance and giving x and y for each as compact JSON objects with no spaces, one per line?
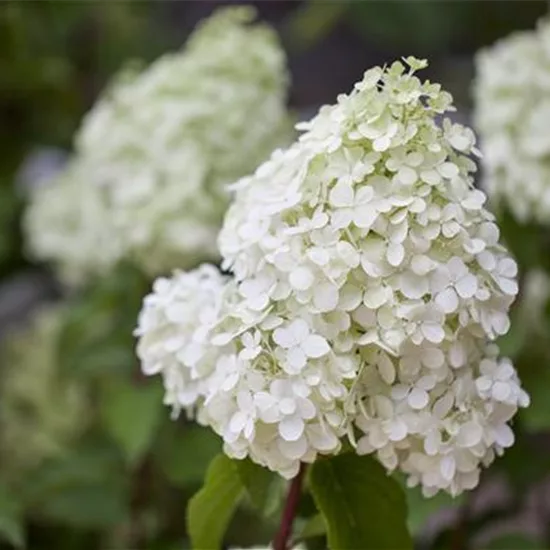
{"x":68,"y":224}
{"x":160,"y":145}
{"x":374,"y":208}
{"x":368,"y":285}
{"x":512,"y":114}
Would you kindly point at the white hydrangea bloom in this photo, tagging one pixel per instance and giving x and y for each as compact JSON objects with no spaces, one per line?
{"x":68,"y":223}
{"x":369,"y":282}
{"x":172,"y":329}
{"x":512,"y":114}
{"x":369,"y":228}
{"x":167,"y":142}
{"x":373,"y":209}
{"x":161,"y":146}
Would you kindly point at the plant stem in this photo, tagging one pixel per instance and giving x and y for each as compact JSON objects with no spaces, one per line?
{"x":289,"y":512}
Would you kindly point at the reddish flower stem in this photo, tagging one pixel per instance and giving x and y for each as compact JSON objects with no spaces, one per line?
{"x":287,"y":519}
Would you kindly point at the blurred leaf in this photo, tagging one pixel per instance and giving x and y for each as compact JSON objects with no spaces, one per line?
{"x":536,"y":417}
{"x":421,"y":508}
{"x":97,"y":339}
{"x":211,"y":509}
{"x":527,"y":242}
{"x":184,"y":454}
{"x":87,"y":506}
{"x":515,"y":541}
{"x":86,"y":489}
{"x":10,"y":210}
{"x":11,"y":525}
{"x":419,"y":26}
{"x":311,"y":22}
{"x":131,"y":413}
{"x":362,"y":506}
{"x":313,"y":527}
{"x":261,"y":485}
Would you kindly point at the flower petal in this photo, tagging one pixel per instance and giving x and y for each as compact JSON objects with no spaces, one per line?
{"x":447,"y":301}
{"x":315,"y":346}
{"x":291,"y":428}
{"x":301,"y":278}
{"x":325,"y":296}
{"x":341,"y":195}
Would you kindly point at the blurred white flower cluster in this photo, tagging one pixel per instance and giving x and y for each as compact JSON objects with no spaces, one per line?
{"x":68,"y":224}
{"x":41,"y":412}
{"x":512,"y":114}
{"x":155,"y":154}
{"x":368,"y":285}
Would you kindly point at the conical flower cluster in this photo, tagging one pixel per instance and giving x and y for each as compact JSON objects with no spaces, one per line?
{"x":160,"y":146}
{"x":368,"y":285}
{"x":512,"y":114}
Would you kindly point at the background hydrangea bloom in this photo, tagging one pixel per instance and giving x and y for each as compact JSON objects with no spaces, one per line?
{"x":512,"y":114}
{"x":68,"y":223}
{"x":41,"y":412}
{"x":369,"y":282}
{"x":160,"y":146}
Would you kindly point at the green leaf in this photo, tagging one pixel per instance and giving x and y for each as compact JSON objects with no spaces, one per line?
{"x":362,"y":506}
{"x":211,"y":509}
{"x":417,"y":26}
{"x":97,"y":340}
{"x":312,"y":21}
{"x":88,"y":506}
{"x":85,"y":489}
{"x":185,"y":452}
{"x":262,"y":486}
{"x":131,"y":414}
{"x":313,"y":527}
{"x":11,"y":526}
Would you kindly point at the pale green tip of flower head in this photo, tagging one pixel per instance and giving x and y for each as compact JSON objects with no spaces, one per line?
{"x":415,"y":64}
